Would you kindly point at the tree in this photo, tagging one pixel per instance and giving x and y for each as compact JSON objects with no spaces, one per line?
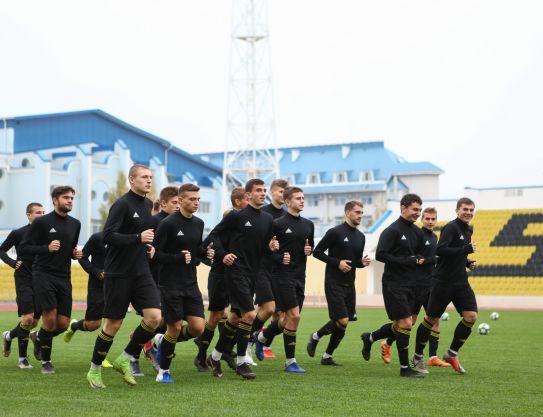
{"x":120,"y":188}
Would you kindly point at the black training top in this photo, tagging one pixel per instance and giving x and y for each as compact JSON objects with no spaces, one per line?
{"x":126,"y":254}
{"x":292,"y":232}
{"x":453,"y":249}
{"x":43,"y":231}
{"x":343,"y":242}
{"x":425,"y":271}
{"x":153,"y":263}
{"x":175,"y":234}
{"x":274,"y":211}
{"x":15,"y":238}
{"x":96,"y":250}
{"x":250,"y":231}
{"x":399,"y":246}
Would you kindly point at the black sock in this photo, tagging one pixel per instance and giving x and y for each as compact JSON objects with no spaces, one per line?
{"x":461,"y":334}
{"x":13,"y":333}
{"x":423,"y":333}
{"x":257,"y":324}
{"x":22,"y":340}
{"x":78,"y":325}
{"x":167,"y":351}
{"x":46,"y":344}
{"x":161,"y":329}
{"x":244,"y":334}
{"x":205,"y":339}
{"x":224,"y":344}
{"x":272,"y":330}
{"x":402,"y":343}
{"x":185,"y":334}
{"x":101,"y":347}
{"x":385,"y":331}
{"x":221,"y":323}
{"x":335,"y":339}
{"x":327,"y":329}
{"x":140,"y":337}
{"x":433,"y":343}
{"x":289,"y":339}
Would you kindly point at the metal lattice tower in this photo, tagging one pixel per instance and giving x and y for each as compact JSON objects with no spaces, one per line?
{"x":251,"y":148}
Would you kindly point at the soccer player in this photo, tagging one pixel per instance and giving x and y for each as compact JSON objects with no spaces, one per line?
{"x":399,"y":248}
{"x":52,"y":238}
{"x":295,"y":236}
{"x":217,"y":293}
{"x":250,"y":231}
{"x":452,"y":284}
{"x":23,"y":288}
{"x":422,"y":292}
{"x":178,"y":242}
{"x":128,"y":232}
{"x":342,"y":249}
{"x":264,"y":293}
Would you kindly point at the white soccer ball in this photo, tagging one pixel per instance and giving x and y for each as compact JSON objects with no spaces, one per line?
{"x":445,"y":317}
{"x":494,"y":315}
{"x":484,"y":328}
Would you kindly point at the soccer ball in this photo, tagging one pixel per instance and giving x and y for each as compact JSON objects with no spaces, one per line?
{"x":484,"y":328}
{"x":494,"y":316}
{"x":445,"y":317}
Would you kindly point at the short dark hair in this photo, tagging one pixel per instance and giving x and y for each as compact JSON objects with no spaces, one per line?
{"x":188,"y":187}
{"x":430,"y":210}
{"x":237,"y":194}
{"x":281,"y":183}
{"x":61,"y":189}
{"x":133,"y":171}
{"x":290,"y":191}
{"x":251,"y":183}
{"x":464,"y":200}
{"x":156,"y":205}
{"x":167,"y":193}
{"x":352,"y":204}
{"x":409,"y":199}
{"x":31,"y":206}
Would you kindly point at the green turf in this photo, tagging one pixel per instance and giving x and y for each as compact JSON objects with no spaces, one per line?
{"x":504,"y":379}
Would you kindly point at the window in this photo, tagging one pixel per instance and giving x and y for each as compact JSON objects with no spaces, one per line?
{"x":339,"y":220}
{"x":367,"y":199}
{"x":205,"y":207}
{"x":1,"y":204}
{"x":25,"y":162}
{"x":95,"y":226}
{"x":314,"y":178}
{"x":366,"y":176}
{"x":312,"y":200}
{"x":367,"y":221}
{"x":1,"y":173}
{"x":105,"y":196}
{"x":93,"y":195}
{"x":340,"y":177}
{"x":513,"y":192}
{"x":340,"y":200}
{"x":290,"y":179}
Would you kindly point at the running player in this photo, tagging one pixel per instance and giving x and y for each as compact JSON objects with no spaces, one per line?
{"x":452,"y":284}
{"x":26,"y":306}
{"x":342,"y":249}
{"x":52,"y":238}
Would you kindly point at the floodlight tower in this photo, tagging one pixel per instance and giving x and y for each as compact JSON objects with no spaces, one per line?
{"x":251,"y":147}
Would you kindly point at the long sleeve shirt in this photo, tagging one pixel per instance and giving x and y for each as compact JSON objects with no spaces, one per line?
{"x":276,"y":213}
{"x":96,"y":251}
{"x":399,"y":246}
{"x":342,"y":242}
{"x":250,"y":231}
{"x":453,"y":249}
{"x":43,"y":231}
{"x":14,"y":239}
{"x":426,"y":270}
{"x":153,"y":263}
{"x":126,"y":254}
{"x":175,"y":234}
{"x":292,"y":233}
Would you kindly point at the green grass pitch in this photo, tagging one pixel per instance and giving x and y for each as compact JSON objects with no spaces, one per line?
{"x":504,"y":378}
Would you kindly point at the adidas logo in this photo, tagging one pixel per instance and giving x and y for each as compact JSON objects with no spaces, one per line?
{"x":288,"y":231}
{"x":105,"y":246}
{"x":136,"y":214}
{"x":403,"y":237}
{"x":346,"y":239}
{"x":180,"y":233}
{"x":52,"y":230}
{"x":248,"y":223}
{"x":427,"y":243}
{"x":461,"y":237}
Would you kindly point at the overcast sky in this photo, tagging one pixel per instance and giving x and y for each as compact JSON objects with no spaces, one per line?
{"x":457,"y":83}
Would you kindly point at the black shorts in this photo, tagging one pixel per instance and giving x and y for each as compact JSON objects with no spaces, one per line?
{"x":52,"y":292}
{"x":179,"y":304}
{"x":240,"y":290}
{"x":217,"y":292}
{"x":120,"y":291}
{"x":341,"y":300}
{"x":290,"y":291}
{"x":95,"y":304}
{"x":24,"y":294}
{"x":263,"y":287}
{"x":461,"y":295}
{"x":399,"y":301}
{"x":422,"y":295}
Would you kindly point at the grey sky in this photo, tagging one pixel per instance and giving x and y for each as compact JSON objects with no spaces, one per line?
{"x":458,"y":83}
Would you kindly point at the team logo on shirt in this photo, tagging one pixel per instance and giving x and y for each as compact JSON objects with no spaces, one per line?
{"x":180,"y":233}
{"x":346,"y":239}
{"x":461,"y":237}
{"x":248,"y":223}
{"x":52,"y":230}
{"x":288,"y":230}
{"x":427,"y":243}
{"x":105,"y":246}
{"x":403,"y":237}
{"x":136,"y":214}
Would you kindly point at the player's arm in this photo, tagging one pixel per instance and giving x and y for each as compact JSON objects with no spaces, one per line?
{"x":88,"y":251}
{"x":5,"y":247}
{"x":201,"y":250}
{"x":323,"y":246}
{"x":444,"y":246}
{"x":360,"y":253}
{"x":223,"y":229}
{"x":115,"y":218}
{"x":276,"y":257}
{"x":163,"y":238}
{"x":76,"y":254}
{"x":29,"y":245}
{"x":385,"y":246}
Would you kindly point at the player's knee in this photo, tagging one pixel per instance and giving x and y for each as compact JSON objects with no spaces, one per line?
{"x":405,"y":323}
{"x":470,"y":316}
{"x":92,"y":325}
{"x":27,"y":321}
{"x":153,"y":318}
{"x":196,"y":329}
{"x":267,"y":310}
{"x":176,"y":327}
{"x":344,"y":321}
{"x":249,"y":316}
